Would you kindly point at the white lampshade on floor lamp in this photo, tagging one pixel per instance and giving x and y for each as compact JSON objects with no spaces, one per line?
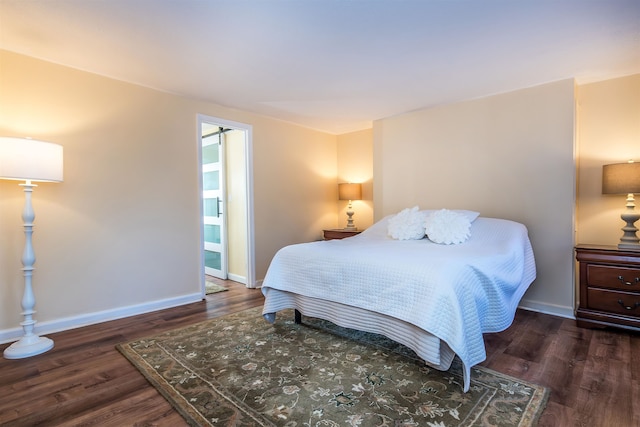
{"x":624,"y":178}
{"x":29,"y":160}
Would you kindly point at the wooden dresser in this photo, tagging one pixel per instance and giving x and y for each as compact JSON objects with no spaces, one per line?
{"x":609,"y":287}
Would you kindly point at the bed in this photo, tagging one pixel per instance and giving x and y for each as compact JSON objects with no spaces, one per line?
{"x":437,"y":299}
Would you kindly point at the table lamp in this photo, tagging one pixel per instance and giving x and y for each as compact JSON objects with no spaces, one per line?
{"x":350,"y":192}
{"x":624,"y":178}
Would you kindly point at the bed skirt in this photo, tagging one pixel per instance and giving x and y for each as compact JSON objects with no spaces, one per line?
{"x":432,"y":350}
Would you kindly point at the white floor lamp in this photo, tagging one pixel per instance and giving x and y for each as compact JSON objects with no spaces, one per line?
{"x":29,"y":160}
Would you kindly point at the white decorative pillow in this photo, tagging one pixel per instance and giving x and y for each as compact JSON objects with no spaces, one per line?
{"x":408,"y":224}
{"x":448,"y":227}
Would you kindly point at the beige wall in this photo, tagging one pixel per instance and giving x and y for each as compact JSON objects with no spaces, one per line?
{"x":608,"y":132}
{"x":296,"y":180}
{"x":121,"y":233}
{"x":236,"y":182}
{"x":508,"y":156}
{"x":355,"y":164}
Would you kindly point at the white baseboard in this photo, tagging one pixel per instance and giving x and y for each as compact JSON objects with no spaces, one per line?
{"x":237,"y":278}
{"x":57,"y":325}
{"x":546,"y":308}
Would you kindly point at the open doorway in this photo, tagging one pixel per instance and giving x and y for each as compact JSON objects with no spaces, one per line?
{"x":226,"y":202}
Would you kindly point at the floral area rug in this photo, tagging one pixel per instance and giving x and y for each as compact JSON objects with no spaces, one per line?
{"x":212,"y":288}
{"x":240,"y":370}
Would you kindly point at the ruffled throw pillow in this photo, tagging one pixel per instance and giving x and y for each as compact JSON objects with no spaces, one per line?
{"x":447,"y":227}
{"x":408,"y":224}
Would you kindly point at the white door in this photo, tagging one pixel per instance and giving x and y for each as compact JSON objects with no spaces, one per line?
{"x":213,"y":201}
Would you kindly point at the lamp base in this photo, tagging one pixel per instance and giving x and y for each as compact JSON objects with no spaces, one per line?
{"x":629,"y":246}
{"x":350,"y":225}
{"x":629,"y":239}
{"x":28,"y":346}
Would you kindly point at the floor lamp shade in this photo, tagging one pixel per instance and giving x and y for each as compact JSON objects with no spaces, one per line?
{"x":624,"y":178}
{"x":29,"y":160}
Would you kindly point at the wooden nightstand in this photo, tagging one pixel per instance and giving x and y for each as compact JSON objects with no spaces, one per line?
{"x":339,"y":233}
{"x":609,"y":287}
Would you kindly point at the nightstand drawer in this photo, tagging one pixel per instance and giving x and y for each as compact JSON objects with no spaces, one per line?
{"x":624,"y":303}
{"x":606,"y":276}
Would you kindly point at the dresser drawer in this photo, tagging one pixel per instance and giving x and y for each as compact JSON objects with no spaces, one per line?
{"x":607,"y":276}
{"x":624,"y":303}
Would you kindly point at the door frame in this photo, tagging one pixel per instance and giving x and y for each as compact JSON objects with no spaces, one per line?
{"x":248,"y":130}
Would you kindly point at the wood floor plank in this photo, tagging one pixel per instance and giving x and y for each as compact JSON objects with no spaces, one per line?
{"x":607,"y":380}
{"x":556,"y":415}
{"x":593,"y":375}
{"x":142,"y":408}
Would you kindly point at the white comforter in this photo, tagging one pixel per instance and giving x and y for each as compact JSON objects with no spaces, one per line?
{"x":455,"y":292}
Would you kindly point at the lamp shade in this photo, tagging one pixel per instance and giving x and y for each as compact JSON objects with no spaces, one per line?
{"x":621,"y":178}
{"x":349,"y":191}
{"x":30,"y":159}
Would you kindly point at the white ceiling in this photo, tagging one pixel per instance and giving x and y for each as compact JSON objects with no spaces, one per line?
{"x":332,"y":65}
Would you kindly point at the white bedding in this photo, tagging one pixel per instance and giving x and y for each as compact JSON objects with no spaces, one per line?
{"x":455,"y":292}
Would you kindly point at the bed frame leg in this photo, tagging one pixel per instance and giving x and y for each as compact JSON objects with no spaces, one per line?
{"x":298,"y":316}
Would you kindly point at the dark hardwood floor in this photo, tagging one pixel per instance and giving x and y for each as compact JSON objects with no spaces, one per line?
{"x":594,"y":375}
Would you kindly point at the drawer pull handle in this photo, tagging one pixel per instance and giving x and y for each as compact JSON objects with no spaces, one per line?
{"x":637,"y":280}
{"x":627,"y":307}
